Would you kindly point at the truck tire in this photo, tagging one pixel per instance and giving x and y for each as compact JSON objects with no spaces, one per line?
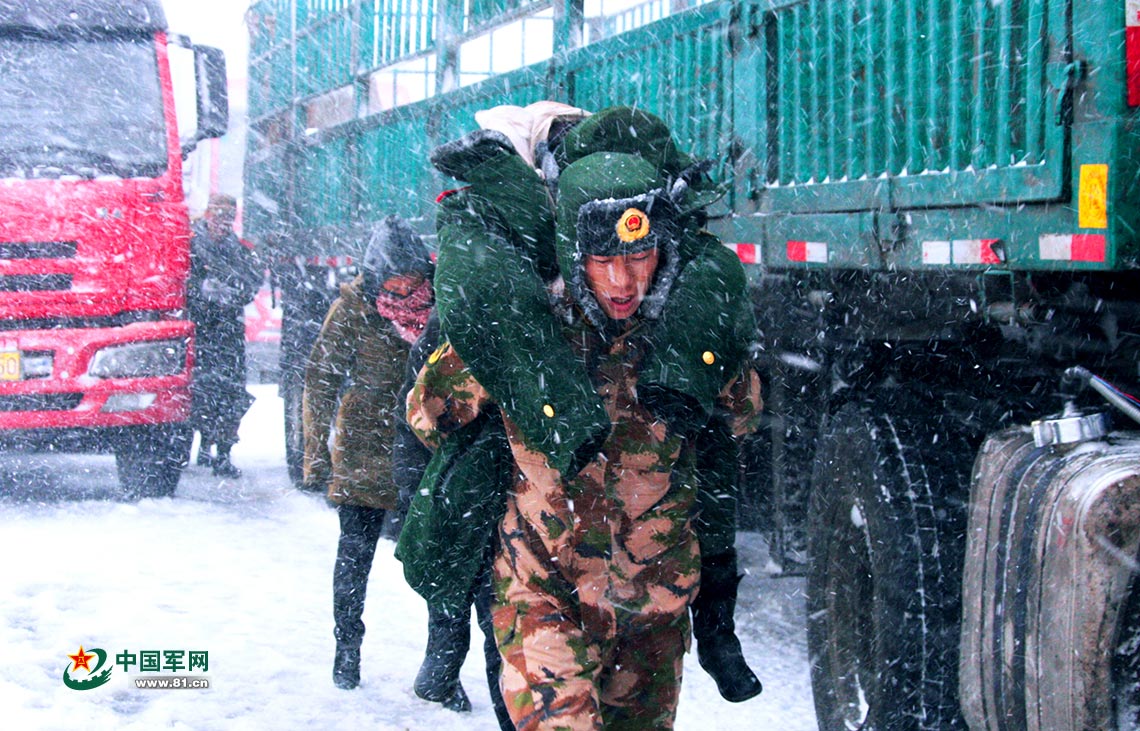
{"x":150,"y":459}
{"x":885,"y":548}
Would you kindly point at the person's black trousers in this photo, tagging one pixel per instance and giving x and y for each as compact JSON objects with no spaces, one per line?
{"x":359,"y":533}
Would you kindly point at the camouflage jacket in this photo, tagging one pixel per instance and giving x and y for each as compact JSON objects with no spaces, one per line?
{"x":615,"y":541}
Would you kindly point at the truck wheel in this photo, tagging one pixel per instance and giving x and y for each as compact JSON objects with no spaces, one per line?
{"x":885,"y":546}
{"x":150,"y":459}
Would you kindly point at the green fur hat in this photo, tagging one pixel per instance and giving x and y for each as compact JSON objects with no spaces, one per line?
{"x":634,"y":131}
{"x":612,"y":204}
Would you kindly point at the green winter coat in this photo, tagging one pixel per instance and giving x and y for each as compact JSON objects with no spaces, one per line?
{"x":496,"y":248}
{"x":496,"y":245}
{"x":353,"y":379}
{"x":446,"y":534}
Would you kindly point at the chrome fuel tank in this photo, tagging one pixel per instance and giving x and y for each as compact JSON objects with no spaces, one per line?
{"x":1051,"y":554}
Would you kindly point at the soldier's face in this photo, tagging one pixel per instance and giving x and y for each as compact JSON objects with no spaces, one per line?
{"x":619,"y":283}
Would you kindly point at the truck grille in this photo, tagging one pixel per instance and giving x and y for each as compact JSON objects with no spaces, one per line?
{"x":80,"y":323}
{"x":40,"y":402}
{"x":35,"y":283}
{"x":38,"y":250}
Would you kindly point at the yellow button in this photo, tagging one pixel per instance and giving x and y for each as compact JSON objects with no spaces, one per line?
{"x":708,"y":357}
{"x":548,"y":410}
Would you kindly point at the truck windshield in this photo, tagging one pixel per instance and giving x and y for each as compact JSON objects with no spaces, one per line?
{"x":89,"y":106}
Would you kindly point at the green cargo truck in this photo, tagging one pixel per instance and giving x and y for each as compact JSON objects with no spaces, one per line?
{"x":936,"y":205}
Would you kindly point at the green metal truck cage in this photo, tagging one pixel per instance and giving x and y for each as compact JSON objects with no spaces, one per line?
{"x":831,"y":118}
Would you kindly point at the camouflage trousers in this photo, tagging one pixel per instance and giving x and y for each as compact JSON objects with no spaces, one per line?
{"x":555,"y":676}
{"x":590,"y":642}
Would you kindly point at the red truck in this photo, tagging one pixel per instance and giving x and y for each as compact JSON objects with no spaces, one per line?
{"x":95,"y":346}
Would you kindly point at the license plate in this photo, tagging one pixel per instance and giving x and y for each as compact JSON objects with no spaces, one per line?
{"x":10,"y":365}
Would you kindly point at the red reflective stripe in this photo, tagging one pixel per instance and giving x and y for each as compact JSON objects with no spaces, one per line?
{"x":797,"y":251}
{"x":745,"y":252}
{"x":446,"y":193}
{"x":1088,"y":247}
{"x":987,"y":252}
{"x":1132,"y":63}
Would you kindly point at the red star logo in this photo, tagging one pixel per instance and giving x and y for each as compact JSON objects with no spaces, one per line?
{"x":81,"y":660}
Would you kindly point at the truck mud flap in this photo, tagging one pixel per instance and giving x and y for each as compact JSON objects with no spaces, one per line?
{"x":1050,"y":562}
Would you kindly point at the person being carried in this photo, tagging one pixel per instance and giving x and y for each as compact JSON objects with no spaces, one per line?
{"x":353,"y":379}
{"x":597,"y":564}
{"x":224,"y":277}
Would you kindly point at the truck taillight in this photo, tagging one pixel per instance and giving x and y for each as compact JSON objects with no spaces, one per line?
{"x":1132,"y":50}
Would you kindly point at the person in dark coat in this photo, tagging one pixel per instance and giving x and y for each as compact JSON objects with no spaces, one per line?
{"x":224,"y":277}
{"x":352,"y":381}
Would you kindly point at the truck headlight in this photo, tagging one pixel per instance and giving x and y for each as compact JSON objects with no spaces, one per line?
{"x":146,"y":359}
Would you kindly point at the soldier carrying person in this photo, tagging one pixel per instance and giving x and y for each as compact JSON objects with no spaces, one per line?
{"x":610,"y":326}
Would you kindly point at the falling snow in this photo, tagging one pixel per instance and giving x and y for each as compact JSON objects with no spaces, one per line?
{"x":243,"y":570}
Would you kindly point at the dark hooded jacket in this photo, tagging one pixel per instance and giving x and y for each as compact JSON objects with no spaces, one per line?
{"x":224,"y":277}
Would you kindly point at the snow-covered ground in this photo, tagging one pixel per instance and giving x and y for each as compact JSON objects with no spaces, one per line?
{"x":241,"y":570}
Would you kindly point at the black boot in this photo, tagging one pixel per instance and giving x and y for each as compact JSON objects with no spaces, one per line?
{"x":449,"y":638}
{"x":714,"y":628}
{"x":223,"y":467}
{"x":346,"y":667}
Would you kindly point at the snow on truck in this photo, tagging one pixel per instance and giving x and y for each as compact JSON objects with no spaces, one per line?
{"x":936,"y":203}
{"x":95,"y":347}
